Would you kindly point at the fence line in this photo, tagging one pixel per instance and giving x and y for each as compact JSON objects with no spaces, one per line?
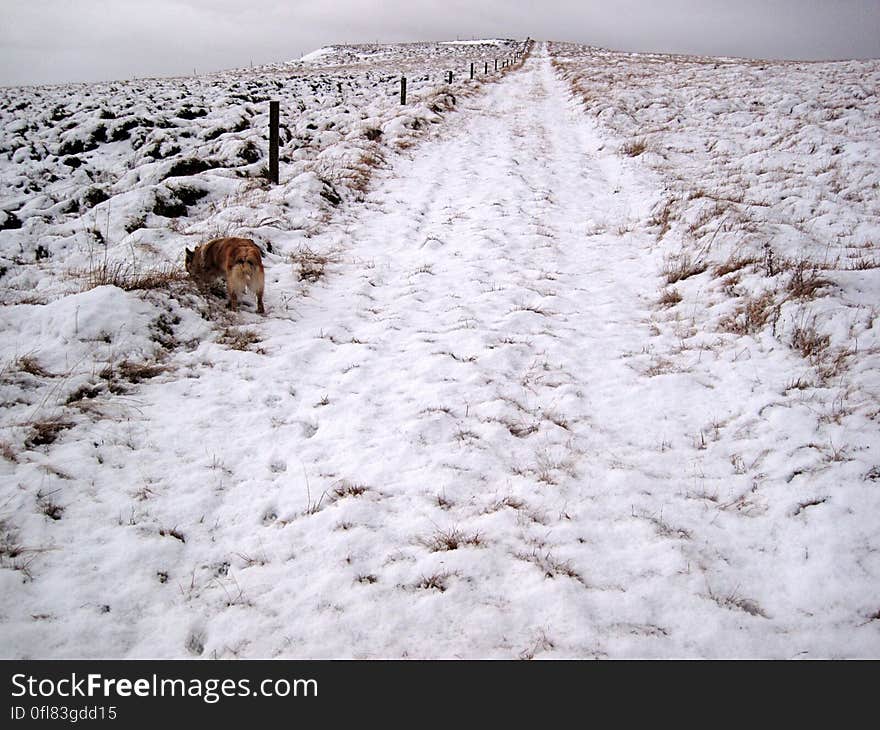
{"x":274,"y":107}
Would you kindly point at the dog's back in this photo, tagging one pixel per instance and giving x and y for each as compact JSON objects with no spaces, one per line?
{"x":238,"y":260}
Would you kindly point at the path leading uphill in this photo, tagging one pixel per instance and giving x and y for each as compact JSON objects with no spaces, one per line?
{"x":472,"y":362}
{"x":480,"y":388}
{"x":461,"y":442}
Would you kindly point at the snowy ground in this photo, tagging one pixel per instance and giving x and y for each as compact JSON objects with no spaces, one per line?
{"x":502,"y":404}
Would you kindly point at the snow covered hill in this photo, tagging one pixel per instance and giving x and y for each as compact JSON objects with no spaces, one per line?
{"x":578,"y":359}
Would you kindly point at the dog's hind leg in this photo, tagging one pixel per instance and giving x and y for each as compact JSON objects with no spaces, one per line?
{"x":232,"y":290}
{"x":258,"y":285}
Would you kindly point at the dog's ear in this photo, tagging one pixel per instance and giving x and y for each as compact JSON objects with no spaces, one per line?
{"x":189,"y":254}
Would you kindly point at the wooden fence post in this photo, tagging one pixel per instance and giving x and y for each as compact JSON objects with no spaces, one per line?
{"x":403,"y":89}
{"x":496,"y":64}
{"x":486,"y":69}
{"x":450,"y":77}
{"x":472,"y":70}
{"x":273,"y":141}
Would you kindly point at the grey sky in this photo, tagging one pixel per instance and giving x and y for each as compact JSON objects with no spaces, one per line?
{"x":52,"y":41}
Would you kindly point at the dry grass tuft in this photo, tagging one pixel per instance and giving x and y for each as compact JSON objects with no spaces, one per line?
{"x":669,"y":298}
{"x":46,"y":432}
{"x":733,"y":601}
{"x":86,"y":391}
{"x":136,"y":372}
{"x":807,"y":340}
{"x":125,"y":275}
{"x":864,"y":263}
{"x":126,"y":370}
{"x":30,"y":365}
{"x":173,"y":532}
{"x":49,"y":507}
{"x":734,"y":263}
{"x":635,"y":147}
{"x":753,"y":313}
{"x":13,"y":554}
{"x":7,"y":452}
{"x":436,"y":582}
{"x":238,"y":338}
{"x":510,"y":501}
{"x":311,"y":266}
{"x":451,"y":539}
{"x":805,"y":281}
{"x":661,"y":218}
{"x":551,"y":566}
{"x":347,"y":489}
{"x":680,"y":267}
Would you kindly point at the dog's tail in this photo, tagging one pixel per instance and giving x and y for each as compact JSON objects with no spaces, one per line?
{"x":249,"y":267}
{"x":247,"y":273}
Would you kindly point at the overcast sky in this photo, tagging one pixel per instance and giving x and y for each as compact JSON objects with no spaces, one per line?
{"x":49,"y":41}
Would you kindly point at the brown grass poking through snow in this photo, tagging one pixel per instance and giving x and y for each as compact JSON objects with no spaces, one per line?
{"x":756,"y":194}
{"x":682,"y":266}
{"x":348,"y":489}
{"x":733,"y":601}
{"x":669,"y":298}
{"x":805,"y":281}
{"x":8,"y":452}
{"x":734,"y":263}
{"x":15,"y":555}
{"x":238,"y":338}
{"x":310,"y":265}
{"x":808,"y":341}
{"x":125,"y":275}
{"x":635,"y":147}
{"x":662,"y":217}
{"x":46,"y":432}
{"x":551,"y":566}
{"x":436,"y":582}
{"x":451,"y":539}
{"x":752,"y":314}
{"x":30,"y":365}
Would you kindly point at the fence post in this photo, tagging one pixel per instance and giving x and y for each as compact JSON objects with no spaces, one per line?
{"x":273,"y":141}
{"x":496,"y":64}
{"x":403,"y":89}
{"x":486,"y":69}
{"x":472,"y":70}
{"x":450,"y":77}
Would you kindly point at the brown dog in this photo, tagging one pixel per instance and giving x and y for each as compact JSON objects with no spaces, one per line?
{"x":237,"y":260}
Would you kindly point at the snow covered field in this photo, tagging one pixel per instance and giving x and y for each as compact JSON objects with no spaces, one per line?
{"x":579,"y":361}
